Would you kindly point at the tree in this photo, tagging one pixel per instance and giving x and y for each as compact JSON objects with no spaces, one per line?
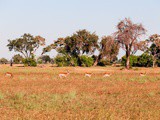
{"x":128,"y":35}
{"x":154,"y":49}
{"x":44,"y":59}
{"x":145,"y":60}
{"x":86,"y":42}
{"x":109,"y":49}
{"x":133,"y":60}
{"x":17,"y":59}
{"x":3,"y":61}
{"x":26,"y":45}
{"x":81,"y":42}
{"x":48,"y":48}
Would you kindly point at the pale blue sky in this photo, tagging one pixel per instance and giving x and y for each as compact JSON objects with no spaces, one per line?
{"x":58,"y":18}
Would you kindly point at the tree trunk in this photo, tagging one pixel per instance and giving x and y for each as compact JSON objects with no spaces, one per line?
{"x":127,"y":60}
{"x":154,"y":61}
{"x":97,"y":60}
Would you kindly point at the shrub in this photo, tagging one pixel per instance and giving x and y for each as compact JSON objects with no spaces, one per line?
{"x":86,"y":61}
{"x":133,"y":60}
{"x":145,"y":60}
{"x":29,"y":62}
{"x":64,"y":60}
{"x":103,"y":62}
{"x":39,"y":61}
{"x":44,"y":59}
{"x":73,"y":61}
{"x":61,"y":61}
{"x":17,"y":59}
{"x":3,"y":61}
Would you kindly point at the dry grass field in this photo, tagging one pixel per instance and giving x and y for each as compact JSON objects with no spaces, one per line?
{"x":38,"y":93}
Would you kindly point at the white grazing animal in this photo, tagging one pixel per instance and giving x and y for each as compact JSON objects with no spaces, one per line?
{"x":63,"y":74}
{"x":8,"y":74}
{"x":107,"y":75}
{"x":88,"y":74}
{"x":142,"y":74}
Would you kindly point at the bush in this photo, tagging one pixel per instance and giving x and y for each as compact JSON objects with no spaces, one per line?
{"x":39,"y":61}
{"x":133,"y":60}
{"x":158,"y":62}
{"x":64,"y":60}
{"x":29,"y":62}
{"x":145,"y":60}
{"x":17,"y":59}
{"x":3,"y":61}
{"x":103,"y":62}
{"x":74,"y":61}
{"x":44,"y":59}
{"x":86,"y":61}
{"x":61,"y":61}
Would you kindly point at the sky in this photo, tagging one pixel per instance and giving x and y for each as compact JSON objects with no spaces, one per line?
{"x":52,"y":19}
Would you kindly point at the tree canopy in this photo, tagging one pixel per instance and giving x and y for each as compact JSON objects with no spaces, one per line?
{"x":128,"y":36}
{"x":154,"y":49}
{"x":109,"y":48}
{"x":81,"y":42}
{"x":26,"y":45}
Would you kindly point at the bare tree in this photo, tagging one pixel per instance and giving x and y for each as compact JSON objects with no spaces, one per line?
{"x":128,"y":36}
{"x":109,"y":48}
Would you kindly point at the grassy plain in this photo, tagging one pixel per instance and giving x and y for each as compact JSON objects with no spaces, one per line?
{"x":38,"y":93}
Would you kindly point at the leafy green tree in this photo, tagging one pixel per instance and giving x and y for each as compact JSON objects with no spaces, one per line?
{"x":81,"y":42}
{"x":44,"y":59}
{"x":127,"y":36}
{"x":48,"y":48}
{"x":17,"y":59}
{"x":27,"y":45}
{"x":145,"y":60}
{"x":3,"y":61}
{"x":154,"y":49}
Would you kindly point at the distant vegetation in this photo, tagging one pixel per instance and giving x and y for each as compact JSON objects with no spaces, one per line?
{"x":79,"y":48}
{"x":3,"y":61}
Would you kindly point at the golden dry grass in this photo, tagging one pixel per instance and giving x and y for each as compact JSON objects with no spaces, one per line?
{"x":38,"y":93}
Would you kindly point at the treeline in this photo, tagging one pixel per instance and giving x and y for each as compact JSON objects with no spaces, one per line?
{"x":79,"y":48}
